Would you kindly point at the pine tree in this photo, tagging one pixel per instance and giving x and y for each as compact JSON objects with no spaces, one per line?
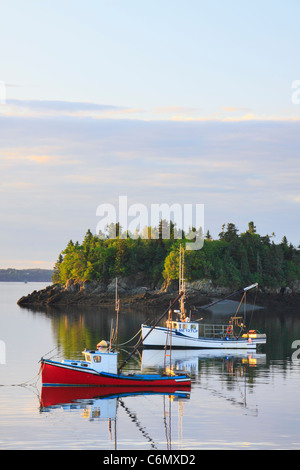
{"x":56,"y":270}
{"x":251,"y":228}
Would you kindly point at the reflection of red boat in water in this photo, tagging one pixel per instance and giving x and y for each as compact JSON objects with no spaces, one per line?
{"x":53,"y":396}
{"x":101,"y":404}
{"x":100,"y":369}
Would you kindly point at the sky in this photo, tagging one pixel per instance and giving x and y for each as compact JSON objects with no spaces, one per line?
{"x":170,"y":101}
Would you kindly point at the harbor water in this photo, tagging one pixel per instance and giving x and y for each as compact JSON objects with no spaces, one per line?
{"x":238,"y":399}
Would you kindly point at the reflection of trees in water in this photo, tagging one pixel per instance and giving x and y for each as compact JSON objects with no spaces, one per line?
{"x":76,"y":329}
{"x":282,"y":327}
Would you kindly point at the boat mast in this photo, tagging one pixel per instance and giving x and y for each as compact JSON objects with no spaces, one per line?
{"x":117,"y":308}
{"x":140,"y":342}
{"x":182,"y":283}
{"x":114,"y":332}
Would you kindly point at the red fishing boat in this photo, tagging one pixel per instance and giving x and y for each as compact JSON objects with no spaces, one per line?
{"x":99,"y":368}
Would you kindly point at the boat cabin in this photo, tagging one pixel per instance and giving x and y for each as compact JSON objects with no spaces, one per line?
{"x":185,"y":327}
{"x":101,"y":360}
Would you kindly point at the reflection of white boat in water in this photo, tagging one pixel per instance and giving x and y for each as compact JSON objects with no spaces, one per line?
{"x":186,"y":333}
{"x":187,"y":360}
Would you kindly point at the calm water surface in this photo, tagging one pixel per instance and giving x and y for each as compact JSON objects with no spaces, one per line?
{"x":237,"y":401}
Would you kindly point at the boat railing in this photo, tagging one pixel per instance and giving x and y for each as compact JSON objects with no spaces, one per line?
{"x":213,"y":330}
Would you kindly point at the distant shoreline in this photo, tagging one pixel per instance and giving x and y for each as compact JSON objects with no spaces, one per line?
{"x":26,"y":275}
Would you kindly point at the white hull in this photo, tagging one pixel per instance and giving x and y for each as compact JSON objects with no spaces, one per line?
{"x":161,"y":336}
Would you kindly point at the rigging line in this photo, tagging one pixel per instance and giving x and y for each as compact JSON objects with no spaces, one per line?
{"x":143,"y":339}
{"x":139,"y":340}
{"x":168,"y":338}
{"x":239,"y":305}
{"x":123,"y":344}
{"x":198,"y":308}
{"x":256,"y":292}
{"x":56,"y":347}
{"x":236,"y":318}
{"x":24,"y":384}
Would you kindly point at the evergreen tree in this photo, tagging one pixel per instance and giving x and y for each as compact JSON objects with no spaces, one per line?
{"x":208,"y":236}
{"x":56,"y":269}
{"x":233,"y":260}
{"x":251,"y":228}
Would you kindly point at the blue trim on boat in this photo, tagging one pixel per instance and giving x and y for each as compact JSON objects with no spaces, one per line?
{"x":202,"y":338}
{"x":132,"y":377}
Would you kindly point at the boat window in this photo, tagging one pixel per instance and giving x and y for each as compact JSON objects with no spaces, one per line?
{"x":174,"y":325}
{"x":84,"y":365}
{"x":184,"y":326}
{"x":88,"y":358}
{"x":97,"y":358}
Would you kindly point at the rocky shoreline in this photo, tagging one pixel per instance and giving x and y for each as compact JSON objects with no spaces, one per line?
{"x":93,"y":293}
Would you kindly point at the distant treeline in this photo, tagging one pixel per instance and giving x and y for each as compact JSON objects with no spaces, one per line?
{"x":232,"y":260}
{"x":25,"y":275}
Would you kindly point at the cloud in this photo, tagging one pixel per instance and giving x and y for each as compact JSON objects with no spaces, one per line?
{"x":176,"y":109}
{"x":60,"y":108}
{"x":33,"y":108}
{"x":26,"y":263}
{"x":234,"y":109}
{"x":17,"y":185}
{"x":55,"y":173}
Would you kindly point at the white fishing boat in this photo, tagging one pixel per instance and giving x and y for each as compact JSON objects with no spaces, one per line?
{"x":187,"y":335}
{"x":182,"y":332}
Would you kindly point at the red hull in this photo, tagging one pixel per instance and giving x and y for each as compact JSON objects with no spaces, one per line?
{"x":54,"y":373}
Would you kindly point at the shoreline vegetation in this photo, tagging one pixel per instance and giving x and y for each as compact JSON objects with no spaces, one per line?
{"x":147,"y":269}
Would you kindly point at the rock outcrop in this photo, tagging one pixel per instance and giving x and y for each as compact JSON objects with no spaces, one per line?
{"x":131,"y":291}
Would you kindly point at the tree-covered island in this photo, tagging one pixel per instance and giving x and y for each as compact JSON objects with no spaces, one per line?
{"x":147,"y":268}
{"x":233,"y":260}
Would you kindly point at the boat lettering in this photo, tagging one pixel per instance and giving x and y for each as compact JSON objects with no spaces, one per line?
{"x":186,"y":328}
